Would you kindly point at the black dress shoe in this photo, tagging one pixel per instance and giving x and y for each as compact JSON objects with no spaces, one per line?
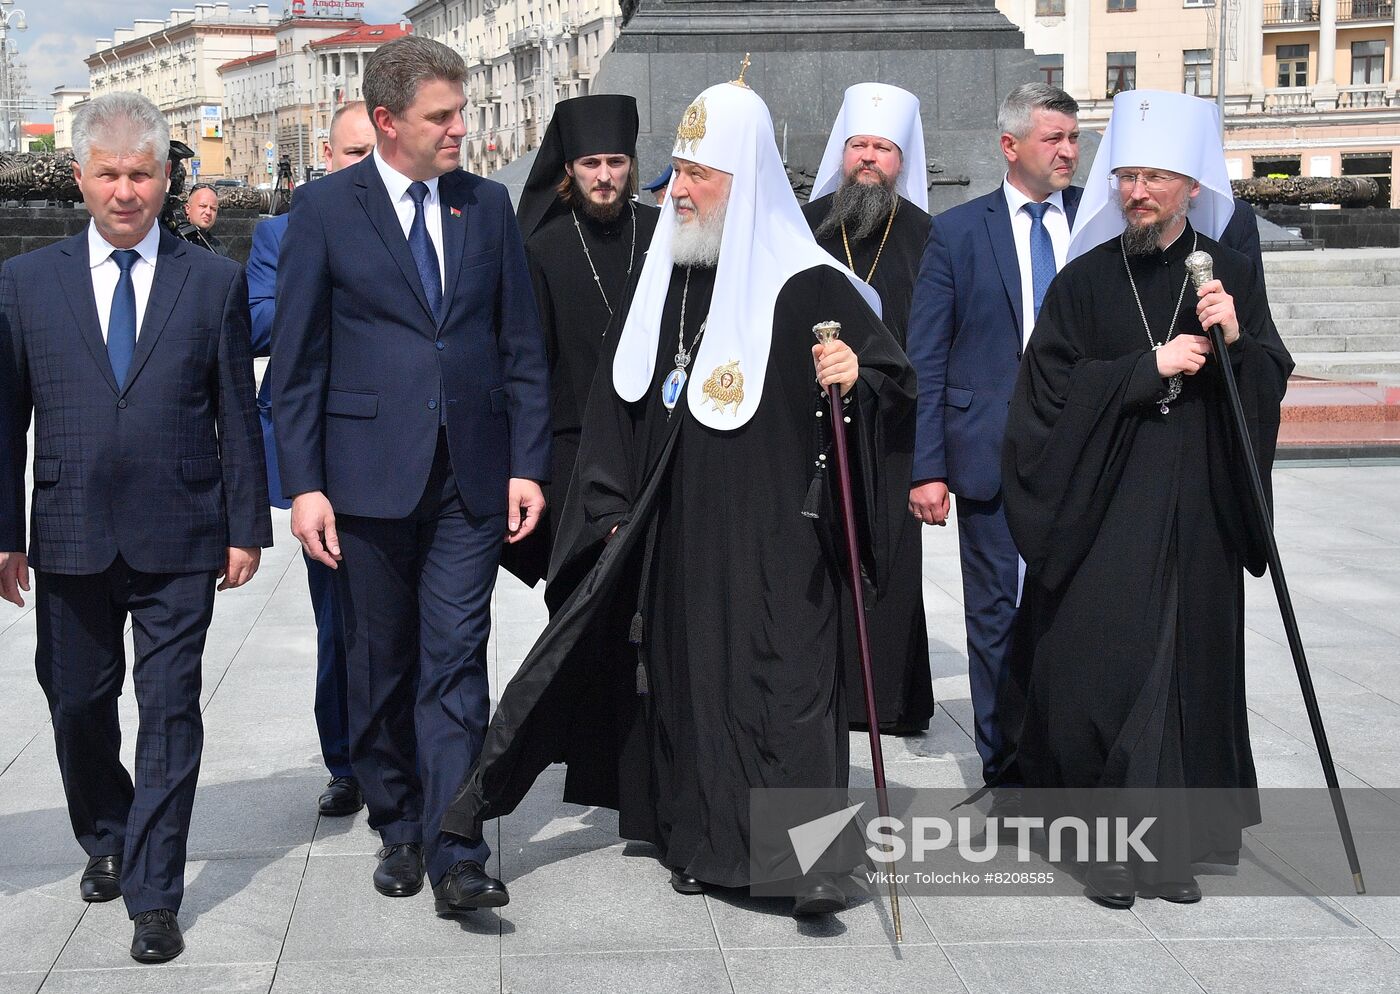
{"x":400,"y":870}
{"x":1188,"y":892}
{"x":467,"y":887}
{"x":340,"y":798}
{"x":818,"y":897}
{"x":684,"y":883}
{"x":157,"y":938}
{"x":1111,"y":884}
{"x":102,"y":879}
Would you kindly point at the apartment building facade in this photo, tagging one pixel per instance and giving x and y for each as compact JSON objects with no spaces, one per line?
{"x":278,"y":103}
{"x":523,"y":57}
{"x":174,"y":63}
{"x":1312,"y":87}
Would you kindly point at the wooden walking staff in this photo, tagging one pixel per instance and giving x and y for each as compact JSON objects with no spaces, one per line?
{"x":1200,"y":266}
{"x":827,"y":332}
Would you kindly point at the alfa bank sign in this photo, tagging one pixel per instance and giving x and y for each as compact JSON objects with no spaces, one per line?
{"x":349,"y":9}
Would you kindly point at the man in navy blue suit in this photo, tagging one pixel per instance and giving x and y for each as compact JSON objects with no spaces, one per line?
{"x":985,"y":270}
{"x":350,"y":139}
{"x":410,"y":394}
{"x":130,"y":349}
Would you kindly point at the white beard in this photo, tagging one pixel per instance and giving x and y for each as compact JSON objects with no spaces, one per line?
{"x":697,"y":242}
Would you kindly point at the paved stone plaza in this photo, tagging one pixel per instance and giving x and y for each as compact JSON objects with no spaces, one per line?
{"x":280,"y":900}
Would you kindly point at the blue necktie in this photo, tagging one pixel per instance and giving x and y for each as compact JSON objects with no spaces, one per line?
{"x":121,"y":319}
{"x":1042,"y":254}
{"x":424,"y":256}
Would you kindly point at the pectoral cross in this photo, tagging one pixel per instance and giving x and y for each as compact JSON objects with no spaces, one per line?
{"x":1144,"y":107}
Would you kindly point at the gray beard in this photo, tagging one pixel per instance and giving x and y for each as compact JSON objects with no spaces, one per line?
{"x":697,"y":242}
{"x":861,"y":207}
{"x":1144,"y":239}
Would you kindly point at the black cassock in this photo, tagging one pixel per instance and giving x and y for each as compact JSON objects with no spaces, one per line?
{"x":1135,"y":526}
{"x":738,"y":681}
{"x":574,"y":314}
{"x":898,"y":629}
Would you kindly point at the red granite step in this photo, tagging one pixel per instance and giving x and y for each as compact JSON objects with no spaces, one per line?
{"x":1320,"y":413}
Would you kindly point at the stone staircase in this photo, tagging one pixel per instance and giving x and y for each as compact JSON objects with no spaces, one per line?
{"x":1338,"y":310}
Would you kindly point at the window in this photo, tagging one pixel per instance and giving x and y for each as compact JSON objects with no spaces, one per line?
{"x":1277,"y":165}
{"x":1122,"y":5}
{"x":1367,"y":62}
{"x":1292,"y":65}
{"x":1122,"y":72}
{"x":1049,"y":8}
{"x":1195,"y":77}
{"x":1375,"y":165}
{"x":1052,"y":69}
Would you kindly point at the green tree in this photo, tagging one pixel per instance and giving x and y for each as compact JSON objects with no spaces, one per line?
{"x":44,"y":143}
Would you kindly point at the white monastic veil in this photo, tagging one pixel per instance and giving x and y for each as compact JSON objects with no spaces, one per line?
{"x":886,"y":112}
{"x":1156,"y":129}
{"x":766,"y":242}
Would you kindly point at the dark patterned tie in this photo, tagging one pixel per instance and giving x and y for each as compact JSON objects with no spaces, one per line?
{"x":121,"y":319}
{"x":1042,"y":254}
{"x":424,"y":256}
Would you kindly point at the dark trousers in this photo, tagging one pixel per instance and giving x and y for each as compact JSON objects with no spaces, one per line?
{"x":81,"y":665}
{"x":415,"y":596}
{"x":989,"y":572}
{"x":332,"y":707}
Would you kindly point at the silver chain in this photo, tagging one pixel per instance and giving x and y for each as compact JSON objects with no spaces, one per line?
{"x":683,"y":353}
{"x":1175,"y":382}
{"x":631,"y":256}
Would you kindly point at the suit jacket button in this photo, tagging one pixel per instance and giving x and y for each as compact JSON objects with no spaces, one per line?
{"x":441,"y":346}
{"x":432,"y":405}
{"x":121,"y":402}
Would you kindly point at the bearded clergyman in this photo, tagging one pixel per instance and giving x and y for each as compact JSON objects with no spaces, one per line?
{"x":585,"y":237}
{"x":703,"y":467}
{"x":869,"y":209}
{"x":1126,"y":492}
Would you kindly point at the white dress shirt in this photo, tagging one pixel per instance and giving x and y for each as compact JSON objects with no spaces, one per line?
{"x":1056,"y":223}
{"x":106,"y":272}
{"x":397,"y":184}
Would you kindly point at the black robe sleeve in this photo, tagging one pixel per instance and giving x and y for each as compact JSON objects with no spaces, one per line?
{"x":1067,"y":432}
{"x":880,"y":434}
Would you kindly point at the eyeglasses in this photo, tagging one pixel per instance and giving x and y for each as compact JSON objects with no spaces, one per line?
{"x":1152,"y":182}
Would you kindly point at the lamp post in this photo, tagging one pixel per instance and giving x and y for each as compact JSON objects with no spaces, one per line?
{"x":15,"y":19}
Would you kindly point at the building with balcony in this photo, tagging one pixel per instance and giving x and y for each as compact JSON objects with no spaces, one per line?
{"x":65,"y":100}
{"x":1312,"y":87}
{"x":523,"y":57}
{"x":279,"y":103}
{"x":173,"y":62}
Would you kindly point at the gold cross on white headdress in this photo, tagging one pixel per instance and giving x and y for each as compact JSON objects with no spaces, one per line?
{"x":1144,"y":107}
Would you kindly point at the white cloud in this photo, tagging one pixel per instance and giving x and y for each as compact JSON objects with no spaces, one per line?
{"x":61,"y":33}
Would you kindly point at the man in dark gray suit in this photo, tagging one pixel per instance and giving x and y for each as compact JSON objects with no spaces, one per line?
{"x":131,"y":351}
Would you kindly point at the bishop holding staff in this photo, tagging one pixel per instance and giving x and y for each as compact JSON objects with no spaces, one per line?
{"x":703,"y":469}
{"x":1127,"y":494}
{"x":869,"y":208}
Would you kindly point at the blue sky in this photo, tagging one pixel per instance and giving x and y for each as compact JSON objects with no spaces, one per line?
{"x":61,"y":33}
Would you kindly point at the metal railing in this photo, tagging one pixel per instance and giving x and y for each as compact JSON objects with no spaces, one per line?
{"x":1365,"y":10}
{"x":1292,"y":12}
